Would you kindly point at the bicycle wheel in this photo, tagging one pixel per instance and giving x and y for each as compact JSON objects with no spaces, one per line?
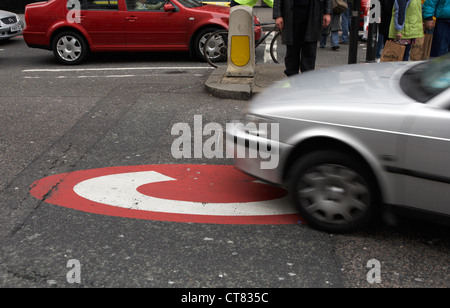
{"x":215,"y":48}
{"x":277,"y":48}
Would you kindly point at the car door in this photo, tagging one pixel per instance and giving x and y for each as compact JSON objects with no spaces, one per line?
{"x":104,"y":22}
{"x":427,"y":161}
{"x":154,"y":29}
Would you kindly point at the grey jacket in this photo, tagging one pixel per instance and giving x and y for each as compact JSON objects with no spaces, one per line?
{"x":317,"y":8}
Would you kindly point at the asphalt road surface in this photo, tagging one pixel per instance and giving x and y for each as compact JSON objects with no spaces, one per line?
{"x":118,"y":110}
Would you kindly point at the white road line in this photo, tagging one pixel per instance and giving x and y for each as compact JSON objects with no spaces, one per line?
{"x":107,"y":76}
{"x":119,"y":76}
{"x":80,"y":77}
{"x":267,"y":56}
{"x":116,"y":69}
{"x":96,"y":76}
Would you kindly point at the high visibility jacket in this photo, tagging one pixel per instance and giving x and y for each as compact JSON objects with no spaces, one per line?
{"x":407,"y":19}
{"x":252,"y":3}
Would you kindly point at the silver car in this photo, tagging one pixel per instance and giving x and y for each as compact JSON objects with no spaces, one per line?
{"x":10,"y":25}
{"x":353,"y":142}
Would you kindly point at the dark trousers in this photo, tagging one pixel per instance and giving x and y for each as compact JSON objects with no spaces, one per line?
{"x":441,"y":38}
{"x":301,"y":55}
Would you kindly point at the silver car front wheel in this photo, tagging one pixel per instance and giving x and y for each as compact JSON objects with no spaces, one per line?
{"x":334,"y":192}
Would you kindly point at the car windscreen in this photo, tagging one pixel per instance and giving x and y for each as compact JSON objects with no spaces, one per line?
{"x":190,"y":3}
{"x":426,"y":80}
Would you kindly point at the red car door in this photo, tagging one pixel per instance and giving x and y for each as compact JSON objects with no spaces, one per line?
{"x":104,"y":22}
{"x":149,"y":27}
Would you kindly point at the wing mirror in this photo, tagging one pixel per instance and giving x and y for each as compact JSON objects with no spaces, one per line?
{"x":168,"y":7}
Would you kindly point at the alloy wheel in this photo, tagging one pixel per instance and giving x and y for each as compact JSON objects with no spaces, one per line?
{"x":214,"y":45}
{"x":69,"y":48}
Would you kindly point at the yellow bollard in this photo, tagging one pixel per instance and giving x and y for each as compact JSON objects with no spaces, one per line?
{"x":241,"y":42}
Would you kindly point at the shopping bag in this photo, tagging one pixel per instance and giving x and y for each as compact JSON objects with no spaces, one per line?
{"x":428,"y":38}
{"x":420,"y":50}
{"x":392,"y":52}
{"x":417,"y":49}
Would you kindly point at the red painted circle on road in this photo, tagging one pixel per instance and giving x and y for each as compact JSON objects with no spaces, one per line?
{"x":201,"y":183}
{"x":179,"y":193}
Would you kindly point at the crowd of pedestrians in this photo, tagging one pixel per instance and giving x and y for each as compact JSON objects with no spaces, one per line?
{"x":305,"y":23}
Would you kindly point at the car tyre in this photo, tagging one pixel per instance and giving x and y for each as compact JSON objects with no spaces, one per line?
{"x":200,"y":40}
{"x":334,"y":192}
{"x":70,"y":48}
{"x":215,"y":47}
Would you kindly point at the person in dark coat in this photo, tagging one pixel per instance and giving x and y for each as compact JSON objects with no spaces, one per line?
{"x":301,"y":23}
{"x":383,"y":27}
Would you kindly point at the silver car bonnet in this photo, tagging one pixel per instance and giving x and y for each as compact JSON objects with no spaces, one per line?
{"x":362,"y":83}
{"x":4,"y":14}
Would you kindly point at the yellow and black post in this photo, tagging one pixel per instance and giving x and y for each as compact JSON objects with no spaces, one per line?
{"x":241,"y":42}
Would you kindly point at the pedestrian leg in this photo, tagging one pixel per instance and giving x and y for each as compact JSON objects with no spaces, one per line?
{"x":292,"y":59}
{"x":441,"y":38}
{"x":345,"y":23}
{"x":309,"y":54}
{"x":335,"y":40}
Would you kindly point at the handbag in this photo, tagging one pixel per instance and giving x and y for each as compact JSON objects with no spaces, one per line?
{"x":339,"y":6}
{"x":392,"y":52}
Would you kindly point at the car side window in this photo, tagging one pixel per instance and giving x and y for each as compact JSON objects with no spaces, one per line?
{"x":94,"y":5}
{"x":145,"y":5}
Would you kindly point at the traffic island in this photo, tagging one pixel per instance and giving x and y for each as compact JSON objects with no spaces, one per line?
{"x":243,"y":88}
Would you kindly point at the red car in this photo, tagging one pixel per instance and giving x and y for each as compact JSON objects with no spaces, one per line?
{"x":74,"y":28}
{"x":363,"y":14}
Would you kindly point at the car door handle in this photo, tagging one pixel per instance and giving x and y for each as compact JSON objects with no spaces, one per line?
{"x":131,"y":18}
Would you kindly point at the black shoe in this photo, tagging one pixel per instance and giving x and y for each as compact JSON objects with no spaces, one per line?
{"x":335,"y":48}
{"x":289,"y":74}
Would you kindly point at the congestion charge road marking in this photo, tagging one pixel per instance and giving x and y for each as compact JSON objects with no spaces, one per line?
{"x":217,"y":194}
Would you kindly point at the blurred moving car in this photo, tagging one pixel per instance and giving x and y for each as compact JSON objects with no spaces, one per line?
{"x":10,"y":25}
{"x":117,"y":25}
{"x":354,"y":140}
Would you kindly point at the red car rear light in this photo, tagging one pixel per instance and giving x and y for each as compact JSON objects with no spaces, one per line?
{"x":26,"y":15}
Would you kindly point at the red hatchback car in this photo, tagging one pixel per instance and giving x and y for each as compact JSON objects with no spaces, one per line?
{"x":74,"y":28}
